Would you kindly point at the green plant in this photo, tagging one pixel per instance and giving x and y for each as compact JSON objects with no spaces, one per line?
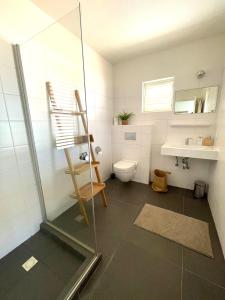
{"x":124,"y":115}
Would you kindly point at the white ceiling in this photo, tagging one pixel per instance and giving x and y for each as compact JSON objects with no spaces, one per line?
{"x":116,"y":29}
{"x":120,"y":29}
{"x":20,"y":20}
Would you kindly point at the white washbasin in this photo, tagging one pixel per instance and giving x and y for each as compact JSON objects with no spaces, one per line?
{"x":193,"y":151}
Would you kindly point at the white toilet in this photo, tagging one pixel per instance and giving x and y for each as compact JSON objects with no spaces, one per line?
{"x":125,"y":169}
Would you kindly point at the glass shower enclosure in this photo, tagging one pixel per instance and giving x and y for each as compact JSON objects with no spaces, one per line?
{"x":50,"y":67}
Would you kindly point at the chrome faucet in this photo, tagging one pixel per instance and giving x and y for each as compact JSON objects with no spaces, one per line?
{"x":185,"y":163}
{"x":187,"y":141}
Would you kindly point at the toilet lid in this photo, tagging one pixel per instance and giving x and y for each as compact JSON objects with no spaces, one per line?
{"x":124,"y":164}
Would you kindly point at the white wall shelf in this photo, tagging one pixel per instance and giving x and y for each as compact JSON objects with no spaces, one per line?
{"x":190,"y":123}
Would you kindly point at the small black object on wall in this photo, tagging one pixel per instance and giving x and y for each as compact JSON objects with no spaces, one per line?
{"x":113,"y":176}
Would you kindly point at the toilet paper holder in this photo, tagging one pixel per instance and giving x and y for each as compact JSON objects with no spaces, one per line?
{"x":98,"y":150}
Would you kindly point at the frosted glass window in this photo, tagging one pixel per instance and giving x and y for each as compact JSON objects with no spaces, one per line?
{"x":157,"y":95}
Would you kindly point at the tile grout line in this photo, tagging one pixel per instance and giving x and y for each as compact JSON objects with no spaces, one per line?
{"x":182,"y":254}
{"x":183,"y":202}
{"x":205,"y":279}
{"x":103,"y":271}
{"x":182,"y":273}
{"x":196,"y":274}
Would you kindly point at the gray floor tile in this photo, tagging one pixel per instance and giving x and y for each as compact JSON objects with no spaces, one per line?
{"x":172,"y":200}
{"x":135,"y":274}
{"x":129,"y":192}
{"x":87,"y":292}
{"x":47,"y":279}
{"x":63,"y":262}
{"x":37,"y":285}
{"x":196,"y":208}
{"x":155,"y":244}
{"x":79,"y":230}
{"x":11,"y":271}
{"x":107,"y":246}
{"x":116,"y":219}
{"x":208,"y":268}
{"x":197,"y":288}
{"x":41,"y":245}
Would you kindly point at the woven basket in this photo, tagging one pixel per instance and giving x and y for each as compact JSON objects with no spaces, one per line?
{"x":159,"y":183}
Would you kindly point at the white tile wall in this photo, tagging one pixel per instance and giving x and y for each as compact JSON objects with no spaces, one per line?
{"x":14,"y":108}
{"x":183,"y":65}
{"x":5,"y":133}
{"x":3,"y":113}
{"x":217,"y":178}
{"x":18,"y":130}
{"x":9,"y":86}
{"x":20,"y":214}
{"x":138,"y":150}
{"x":48,"y":59}
{"x":100,"y":106}
{"x":25,"y":166}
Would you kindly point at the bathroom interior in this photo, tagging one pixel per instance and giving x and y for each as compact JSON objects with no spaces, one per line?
{"x":112,"y":149}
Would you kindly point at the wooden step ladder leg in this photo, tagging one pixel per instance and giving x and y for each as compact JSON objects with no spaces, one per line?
{"x":76,"y":188}
{"x":103,"y":196}
{"x":83,"y":211}
{"x":104,"y":200}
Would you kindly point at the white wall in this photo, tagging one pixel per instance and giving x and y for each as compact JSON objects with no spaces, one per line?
{"x":181,"y":62}
{"x":99,"y":84}
{"x":55,"y":55}
{"x":20,"y":213}
{"x":217,"y":185}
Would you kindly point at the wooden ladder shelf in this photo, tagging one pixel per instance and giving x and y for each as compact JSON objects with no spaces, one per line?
{"x":80,"y":168}
{"x":91,"y":189}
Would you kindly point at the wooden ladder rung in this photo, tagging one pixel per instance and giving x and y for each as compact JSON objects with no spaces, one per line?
{"x":67,"y":112}
{"x":82,"y":139}
{"x":86,"y":191}
{"x":80,"y":168}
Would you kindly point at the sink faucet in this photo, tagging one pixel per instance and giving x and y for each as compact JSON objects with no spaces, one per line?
{"x":187,"y":140}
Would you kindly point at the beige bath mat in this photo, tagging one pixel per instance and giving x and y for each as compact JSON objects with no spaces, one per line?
{"x":189,"y":232}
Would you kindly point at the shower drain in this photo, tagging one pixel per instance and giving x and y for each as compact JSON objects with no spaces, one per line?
{"x":30,"y":263}
{"x":79,"y":218}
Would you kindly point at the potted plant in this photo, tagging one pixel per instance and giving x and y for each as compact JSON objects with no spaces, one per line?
{"x":124,"y":117}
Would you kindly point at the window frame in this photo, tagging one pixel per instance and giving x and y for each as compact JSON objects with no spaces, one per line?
{"x":165,"y":79}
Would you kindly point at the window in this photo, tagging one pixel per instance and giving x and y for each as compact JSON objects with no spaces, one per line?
{"x":157,"y":95}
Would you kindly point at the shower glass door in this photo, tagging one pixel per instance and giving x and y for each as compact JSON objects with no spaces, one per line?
{"x":55,"y":56}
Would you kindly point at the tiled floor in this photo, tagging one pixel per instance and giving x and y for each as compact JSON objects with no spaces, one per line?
{"x":67,"y":221}
{"x":47,"y":279}
{"x":138,"y":264}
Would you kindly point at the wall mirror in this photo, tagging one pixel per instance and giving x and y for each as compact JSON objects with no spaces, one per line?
{"x":194,"y":101}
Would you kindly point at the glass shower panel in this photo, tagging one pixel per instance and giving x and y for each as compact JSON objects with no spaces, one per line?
{"x":54,"y":56}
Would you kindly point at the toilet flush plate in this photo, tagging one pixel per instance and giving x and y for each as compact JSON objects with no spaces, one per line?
{"x":130,"y":136}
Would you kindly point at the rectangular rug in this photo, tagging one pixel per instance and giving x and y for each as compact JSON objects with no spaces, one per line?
{"x":187,"y":231}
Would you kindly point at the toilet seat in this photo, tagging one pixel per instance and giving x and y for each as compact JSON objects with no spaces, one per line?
{"x":125,"y":165}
